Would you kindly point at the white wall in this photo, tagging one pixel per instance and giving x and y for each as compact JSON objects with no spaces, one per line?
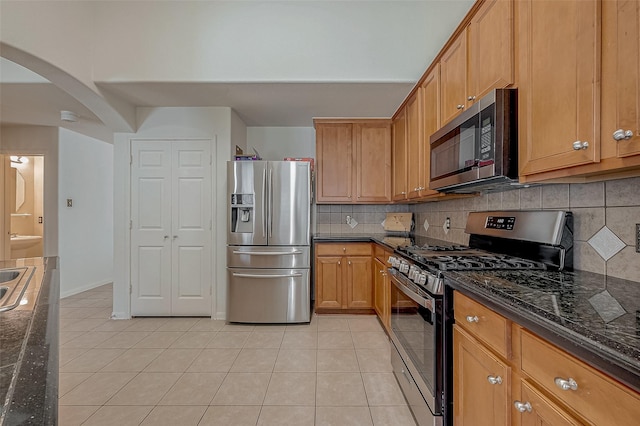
{"x":86,"y":229}
{"x":212,"y":123}
{"x":39,"y":140}
{"x":276,"y":143}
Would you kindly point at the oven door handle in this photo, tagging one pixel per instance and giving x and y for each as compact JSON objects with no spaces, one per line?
{"x":425,"y":302}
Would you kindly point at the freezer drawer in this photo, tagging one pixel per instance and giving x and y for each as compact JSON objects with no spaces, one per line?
{"x":268,"y":295}
{"x":268,"y":257}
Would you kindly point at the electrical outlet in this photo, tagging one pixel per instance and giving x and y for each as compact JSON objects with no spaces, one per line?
{"x":69,"y":202}
{"x":447,"y":223}
{"x":637,"y":237}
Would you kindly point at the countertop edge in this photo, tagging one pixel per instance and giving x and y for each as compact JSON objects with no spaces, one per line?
{"x":34,"y":397}
{"x":577,"y":345}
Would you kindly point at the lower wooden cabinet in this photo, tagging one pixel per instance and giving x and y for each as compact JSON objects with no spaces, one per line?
{"x":530,"y":382}
{"x":344,"y":276}
{"x":481,"y":384}
{"x":381,"y":292}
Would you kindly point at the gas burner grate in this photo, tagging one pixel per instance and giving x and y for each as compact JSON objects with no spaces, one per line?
{"x":484,"y":262}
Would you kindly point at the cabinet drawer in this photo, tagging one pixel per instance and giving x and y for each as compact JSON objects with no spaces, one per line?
{"x":595,"y":395}
{"x":482,"y":323}
{"x":346,"y":249}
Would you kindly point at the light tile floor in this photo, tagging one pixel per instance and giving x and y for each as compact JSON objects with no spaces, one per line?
{"x":198,"y":371}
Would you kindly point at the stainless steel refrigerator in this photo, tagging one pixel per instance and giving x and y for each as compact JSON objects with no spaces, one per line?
{"x":269,"y":241}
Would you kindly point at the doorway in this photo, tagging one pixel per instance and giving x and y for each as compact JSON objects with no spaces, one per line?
{"x":23,"y":206}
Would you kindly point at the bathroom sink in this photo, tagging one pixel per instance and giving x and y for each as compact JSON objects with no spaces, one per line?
{"x":24,"y":241}
{"x":14,"y":283}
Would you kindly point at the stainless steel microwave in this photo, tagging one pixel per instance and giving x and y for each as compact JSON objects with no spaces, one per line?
{"x":478,"y":150}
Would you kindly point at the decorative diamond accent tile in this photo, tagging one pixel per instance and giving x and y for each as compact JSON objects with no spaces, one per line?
{"x":606,"y":243}
{"x":353,"y":223}
{"x":426,"y":225}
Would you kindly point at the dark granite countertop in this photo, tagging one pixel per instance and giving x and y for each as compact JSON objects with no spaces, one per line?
{"x":29,"y":349}
{"x":592,"y":316}
{"x":391,"y":240}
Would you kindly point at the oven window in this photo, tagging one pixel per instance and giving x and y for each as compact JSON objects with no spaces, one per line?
{"x":414,"y":327}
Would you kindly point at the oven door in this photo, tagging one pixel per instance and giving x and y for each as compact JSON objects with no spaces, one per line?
{"x":416,"y":333}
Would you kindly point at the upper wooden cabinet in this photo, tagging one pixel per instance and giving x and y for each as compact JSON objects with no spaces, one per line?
{"x":399,"y":145}
{"x":415,"y":163}
{"x":453,"y":74}
{"x":558,"y":102}
{"x":354,"y":161}
{"x":430,"y":96}
{"x":479,"y":59}
{"x":491,"y":49}
{"x":590,"y":94}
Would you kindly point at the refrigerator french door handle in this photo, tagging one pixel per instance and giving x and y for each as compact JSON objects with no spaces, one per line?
{"x":270,"y":189}
{"x":264,"y":203}
{"x":239,"y":275}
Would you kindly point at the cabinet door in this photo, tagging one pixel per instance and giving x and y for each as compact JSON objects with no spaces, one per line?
{"x":477,"y":401}
{"x":558,"y":102}
{"x":399,"y":145}
{"x":491,"y":63}
{"x":359,"y":285}
{"x":540,"y":411}
{"x":379,"y":301}
{"x":334,"y":153}
{"x":431,"y":122}
{"x":627,"y":75}
{"x":414,"y":147}
{"x":373,"y":162}
{"x":453,"y":74}
{"x":329,"y":274}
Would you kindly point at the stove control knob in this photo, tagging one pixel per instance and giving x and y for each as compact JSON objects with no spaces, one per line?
{"x":404,"y":267}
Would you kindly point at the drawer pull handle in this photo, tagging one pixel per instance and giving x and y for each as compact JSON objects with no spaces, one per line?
{"x":497,"y":380}
{"x":472,"y":318}
{"x":566,"y":385}
{"x":522,"y":406}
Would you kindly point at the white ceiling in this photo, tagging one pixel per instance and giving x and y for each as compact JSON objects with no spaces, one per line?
{"x":27,"y":98}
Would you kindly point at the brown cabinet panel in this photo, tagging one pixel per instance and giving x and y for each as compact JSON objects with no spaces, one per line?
{"x":329,"y":282}
{"x":334,"y":154}
{"x":431,"y":123}
{"x":373,"y":162}
{"x":558,"y":84}
{"x":381,"y":292}
{"x":399,"y":147}
{"x":482,"y":323}
{"x":359,"y":288}
{"x":453,"y":75}
{"x":343,"y":249}
{"x":543,"y":411}
{"x":415,"y":174}
{"x":477,"y":401}
{"x":491,"y":53}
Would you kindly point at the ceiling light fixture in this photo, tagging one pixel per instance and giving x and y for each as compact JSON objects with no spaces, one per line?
{"x":69,"y":116}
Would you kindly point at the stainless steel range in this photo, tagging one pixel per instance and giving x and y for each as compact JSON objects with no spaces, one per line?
{"x":420,"y":320}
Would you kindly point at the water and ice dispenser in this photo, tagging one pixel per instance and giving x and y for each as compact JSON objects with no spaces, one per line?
{"x":242,"y":213}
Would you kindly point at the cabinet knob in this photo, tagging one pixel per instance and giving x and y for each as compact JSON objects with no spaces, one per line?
{"x":472,"y":318}
{"x":459,"y":106}
{"x":344,"y":249}
{"x":339,"y":263}
{"x":494,"y":380}
{"x":522,"y":406}
{"x":403,"y":193}
{"x":568,"y":384}
{"x":166,"y":236}
{"x":471,"y":98}
{"x":175,"y":236}
{"x":622,"y":134}
{"x":578,"y":145}
{"x":349,"y":262}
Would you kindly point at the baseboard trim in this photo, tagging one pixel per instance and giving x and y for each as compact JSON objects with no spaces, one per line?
{"x":83,"y":288}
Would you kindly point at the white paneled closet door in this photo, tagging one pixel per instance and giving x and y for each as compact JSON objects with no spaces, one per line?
{"x":171,"y":232}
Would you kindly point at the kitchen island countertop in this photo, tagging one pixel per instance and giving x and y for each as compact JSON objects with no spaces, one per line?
{"x":29,"y":349}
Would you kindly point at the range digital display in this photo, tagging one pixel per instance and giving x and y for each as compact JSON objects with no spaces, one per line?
{"x":500,"y":222}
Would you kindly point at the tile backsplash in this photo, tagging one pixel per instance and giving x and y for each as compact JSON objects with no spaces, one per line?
{"x":605,"y":214}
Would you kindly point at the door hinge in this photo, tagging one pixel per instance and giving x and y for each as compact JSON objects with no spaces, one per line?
{"x":130,"y":289}
{"x":131,"y":159}
{"x":210,"y":159}
{"x":210,"y":290}
{"x":131,"y":224}
{"x":210,"y":224}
